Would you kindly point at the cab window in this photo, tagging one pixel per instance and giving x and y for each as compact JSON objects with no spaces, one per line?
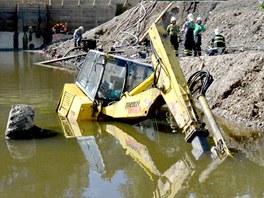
{"x":113,"y":80}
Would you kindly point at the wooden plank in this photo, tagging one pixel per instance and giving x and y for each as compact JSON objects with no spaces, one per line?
{"x":54,"y":67}
{"x":59,"y":59}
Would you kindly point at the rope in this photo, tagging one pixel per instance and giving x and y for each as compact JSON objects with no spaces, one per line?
{"x":133,"y":26}
{"x":57,"y":36}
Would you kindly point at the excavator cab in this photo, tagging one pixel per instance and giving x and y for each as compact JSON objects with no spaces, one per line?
{"x":105,"y":78}
{"x":102,"y":80}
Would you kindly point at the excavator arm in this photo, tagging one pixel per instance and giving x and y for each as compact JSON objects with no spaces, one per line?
{"x":170,"y":80}
{"x":172,"y":84}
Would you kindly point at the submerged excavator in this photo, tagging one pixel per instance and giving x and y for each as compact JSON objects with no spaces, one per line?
{"x":110,"y":87}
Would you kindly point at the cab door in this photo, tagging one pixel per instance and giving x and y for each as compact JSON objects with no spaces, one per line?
{"x":90,"y":75}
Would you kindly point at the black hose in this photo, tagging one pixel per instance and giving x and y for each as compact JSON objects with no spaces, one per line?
{"x":157,"y":69}
{"x":199,"y":82}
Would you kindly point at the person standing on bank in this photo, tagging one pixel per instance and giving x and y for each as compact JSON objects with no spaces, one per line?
{"x":188,"y":29}
{"x":199,"y":28}
{"x":77,"y":36}
{"x":173,"y":30}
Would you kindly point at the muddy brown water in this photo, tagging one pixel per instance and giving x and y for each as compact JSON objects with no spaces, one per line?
{"x":111,"y":159}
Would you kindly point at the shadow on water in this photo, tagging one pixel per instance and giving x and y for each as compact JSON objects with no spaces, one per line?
{"x":32,"y":133}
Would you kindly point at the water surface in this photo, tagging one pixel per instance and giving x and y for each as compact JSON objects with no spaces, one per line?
{"x":111,"y":159}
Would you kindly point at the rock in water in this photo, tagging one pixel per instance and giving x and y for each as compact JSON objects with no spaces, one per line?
{"x":21,"y":124}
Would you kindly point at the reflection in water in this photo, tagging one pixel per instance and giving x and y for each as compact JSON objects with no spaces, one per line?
{"x":21,"y":150}
{"x":36,"y":170}
{"x":92,"y":153}
{"x":170,"y":171}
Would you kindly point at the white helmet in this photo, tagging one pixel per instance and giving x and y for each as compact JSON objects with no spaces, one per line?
{"x":190,"y":17}
{"x":199,"y":19}
{"x":173,"y":19}
{"x":81,"y":28}
{"x":217,"y":31}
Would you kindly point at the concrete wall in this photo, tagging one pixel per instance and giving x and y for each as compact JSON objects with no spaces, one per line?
{"x":41,"y":15}
{"x":8,"y":19}
{"x":85,"y":15}
{"x":88,"y":13}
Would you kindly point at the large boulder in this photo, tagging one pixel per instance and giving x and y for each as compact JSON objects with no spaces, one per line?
{"x":21,"y":124}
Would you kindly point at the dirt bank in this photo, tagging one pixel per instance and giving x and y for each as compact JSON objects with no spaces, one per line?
{"x":237,"y":94}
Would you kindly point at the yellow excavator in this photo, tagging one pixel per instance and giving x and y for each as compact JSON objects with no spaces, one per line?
{"x":110,"y":87}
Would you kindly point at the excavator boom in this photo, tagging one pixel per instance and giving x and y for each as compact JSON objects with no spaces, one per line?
{"x":172,"y":84}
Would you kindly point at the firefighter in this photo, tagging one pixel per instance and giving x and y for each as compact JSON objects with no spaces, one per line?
{"x":77,"y":36}
{"x":63,"y":28}
{"x":173,"y":30}
{"x":217,"y":44}
{"x":59,"y":28}
{"x":188,"y":29}
{"x":199,"y":28}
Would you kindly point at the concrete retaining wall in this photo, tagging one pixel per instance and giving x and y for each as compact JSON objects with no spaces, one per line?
{"x":18,"y":15}
{"x":88,"y":13}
